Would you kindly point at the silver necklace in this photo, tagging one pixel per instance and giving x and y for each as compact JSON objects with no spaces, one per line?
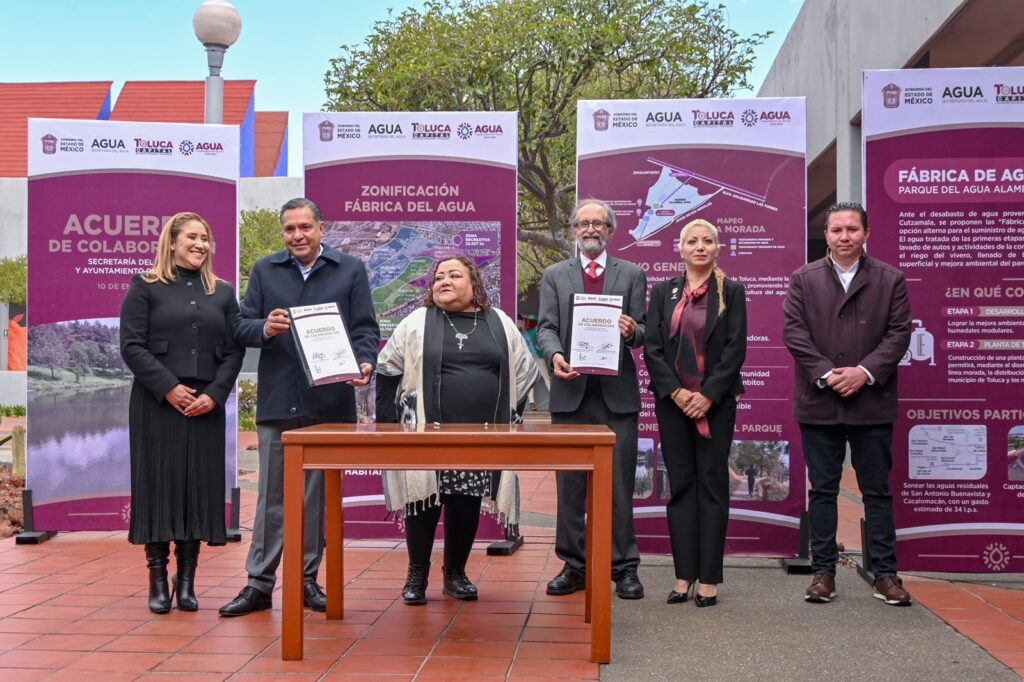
{"x":459,"y":336}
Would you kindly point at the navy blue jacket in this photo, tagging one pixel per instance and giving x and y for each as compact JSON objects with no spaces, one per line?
{"x":276,"y":282}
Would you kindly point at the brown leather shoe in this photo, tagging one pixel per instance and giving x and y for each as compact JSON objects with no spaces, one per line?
{"x":822,"y":589}
{"x":890,"y":590}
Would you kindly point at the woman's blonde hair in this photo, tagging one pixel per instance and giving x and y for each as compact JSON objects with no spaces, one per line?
{"x":717,"y":271}
{"x":163,"y":269}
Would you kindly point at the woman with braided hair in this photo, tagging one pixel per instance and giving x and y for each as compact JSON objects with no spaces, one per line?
{"x":695,"y":346}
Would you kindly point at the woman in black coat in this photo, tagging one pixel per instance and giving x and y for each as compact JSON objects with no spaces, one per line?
{"x":695,"y":345}
{"x":176,"y":339}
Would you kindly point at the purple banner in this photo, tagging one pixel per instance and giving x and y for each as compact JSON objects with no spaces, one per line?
{"x":755,"y":195}
{"x":91,"y":230}
{"x":946,"y":200}
{"x":400,"y":198}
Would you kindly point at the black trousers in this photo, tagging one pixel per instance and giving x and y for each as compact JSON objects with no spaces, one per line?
{"x":871,"y":456}
{"x":698,"y":478}
{"x":570,"y":526}
{"x":461,"y":518}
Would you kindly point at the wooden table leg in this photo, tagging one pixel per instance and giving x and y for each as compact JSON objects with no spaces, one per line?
{"x":335,"y":545}
{"x":588,"y":545}
{"x":291,"y":607}
{"x":599,"y":555}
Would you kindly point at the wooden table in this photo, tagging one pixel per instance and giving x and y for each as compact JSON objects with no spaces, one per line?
{"x":525,"y":447}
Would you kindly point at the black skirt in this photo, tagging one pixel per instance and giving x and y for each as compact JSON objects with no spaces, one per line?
{"x":177,"y":471}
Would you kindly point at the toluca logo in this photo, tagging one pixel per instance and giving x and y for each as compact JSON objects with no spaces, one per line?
{"x":749,"y":117}
{"x":384,"y":130}
{"x":105,"y":144}
{"x":464,"y":131}
{"x":186,"y":147}
{"x":664,"y":117}
{"x":962,"y":93}
{"x":163,"y":147}
{"x":1009,"y":93}
{"x":713,"y":119}
{"x":49,"y":144}
{"x":431,"y":131}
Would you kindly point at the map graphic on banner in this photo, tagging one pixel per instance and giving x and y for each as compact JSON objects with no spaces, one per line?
{"x":944,"y":188}
{"x":99,"y":193}
{"x":401,"y":191}
{"x":740,"y":165}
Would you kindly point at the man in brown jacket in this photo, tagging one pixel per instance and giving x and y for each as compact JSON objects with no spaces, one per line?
{"x":847,"y":325}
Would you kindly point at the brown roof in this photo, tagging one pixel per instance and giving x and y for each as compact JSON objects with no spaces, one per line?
{"x":271,"y":127}
{"x":22,"y":101}
{"x":179,"y":101}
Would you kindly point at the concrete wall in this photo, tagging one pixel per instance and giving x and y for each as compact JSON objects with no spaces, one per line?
{"x":830,"y":44}
{"x":272,"y":193}
{"x":13,"y":217}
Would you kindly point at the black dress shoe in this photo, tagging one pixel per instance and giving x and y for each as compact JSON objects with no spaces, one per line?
{"x":680,"y":597}
{"x":702,"y":601}
{"x":458,"y":586}
{"x":628,"y":586}
{"x":248,"y":600}
{"x":313,"y":596}
{"x":415,"y":590}
{"x":567,"y":582}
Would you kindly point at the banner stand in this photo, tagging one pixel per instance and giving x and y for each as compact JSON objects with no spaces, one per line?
{"x":864,"y":566}
{"x":234,"y":533}
{"x":507,"y":547}
{"x":29,"y":536}
{"x":801,"y":563}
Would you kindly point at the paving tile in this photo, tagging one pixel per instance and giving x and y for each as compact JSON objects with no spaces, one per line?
{"x":24,"y":658}
{"x":118,"y":661}
{"x":228,"y":645}
{"x":401,"y":647}
{"x":447,"y":648}
{"x":315,"y":647}
{"x":370,"y":665}
{"x":183,"y":677}
{"x":13,"y":640}
{"x":543,"y":620}
{"x":464,"y":668}
{"x":203,"y":663}
{"x":68,"y":675}
{"x":68,"y":642}
{"x":354,"y":677}
{"x":149,"y":643}
{"x":97,"y":626}
{"x":25,"y":674}
{"x":266,"y":663}
{"x":577,"y":650}
{"x":557,"y":668}
{"x":534,"y":634}
{"x":485,"y":632}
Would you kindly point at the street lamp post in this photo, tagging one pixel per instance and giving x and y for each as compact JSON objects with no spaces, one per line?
{"x":217,"y":25}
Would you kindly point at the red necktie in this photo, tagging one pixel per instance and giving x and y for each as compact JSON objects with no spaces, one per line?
{"x":592,"y":269}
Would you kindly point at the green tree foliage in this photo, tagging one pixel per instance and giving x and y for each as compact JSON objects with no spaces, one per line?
{"x":260,"y":235}
{"x":13,"y":279}
{"x":538,"y":58}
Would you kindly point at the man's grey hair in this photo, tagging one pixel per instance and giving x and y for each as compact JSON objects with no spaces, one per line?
{"x":301,"y":202}
{"x":609,"y":214}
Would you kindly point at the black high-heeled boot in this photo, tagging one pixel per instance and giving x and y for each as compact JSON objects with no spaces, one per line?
{"x":415,"y":590}
{"x":156,"y":561}
{"x":186,"y":552}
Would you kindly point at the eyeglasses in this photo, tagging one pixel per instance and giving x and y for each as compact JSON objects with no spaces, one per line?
{"x":596,"y":224}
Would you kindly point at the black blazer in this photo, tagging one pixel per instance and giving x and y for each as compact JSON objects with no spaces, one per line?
{"x":725,"y":340}
{"x":276,"y":282}
{"x":176,"y":331}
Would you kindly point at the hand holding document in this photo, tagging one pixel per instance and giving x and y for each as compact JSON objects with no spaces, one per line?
{"x":323,"y":344}
{"x":595,"y":338}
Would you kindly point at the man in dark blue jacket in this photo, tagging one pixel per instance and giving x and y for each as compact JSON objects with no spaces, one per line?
{"x":305,"y":273}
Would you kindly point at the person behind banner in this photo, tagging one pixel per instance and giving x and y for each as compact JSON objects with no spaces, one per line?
{"x":306,"y":272}
{"x":457,"y":359}
{"x":594,"y":399}
{"x":846,"y":322}
{"x":176,"y":339}
{"x":695,"y":346}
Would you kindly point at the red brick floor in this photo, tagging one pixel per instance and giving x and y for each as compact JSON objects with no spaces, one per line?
{"x":74,"y":608}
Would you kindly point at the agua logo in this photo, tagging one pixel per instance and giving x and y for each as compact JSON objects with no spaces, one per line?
{"x":775,"y":117}
{"x":385,"y":129}
{"x":464,"y":131}
{"x":488,"y":130}
{"x":664,"y":117}
{"x":107,"y":144}
{"x":962,"y":92}
{"x":209,"y":147}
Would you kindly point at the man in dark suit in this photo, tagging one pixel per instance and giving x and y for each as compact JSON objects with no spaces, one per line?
{"x":611,"y":400}
{"x":847,"y":325}
{"x":305,"y":273}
